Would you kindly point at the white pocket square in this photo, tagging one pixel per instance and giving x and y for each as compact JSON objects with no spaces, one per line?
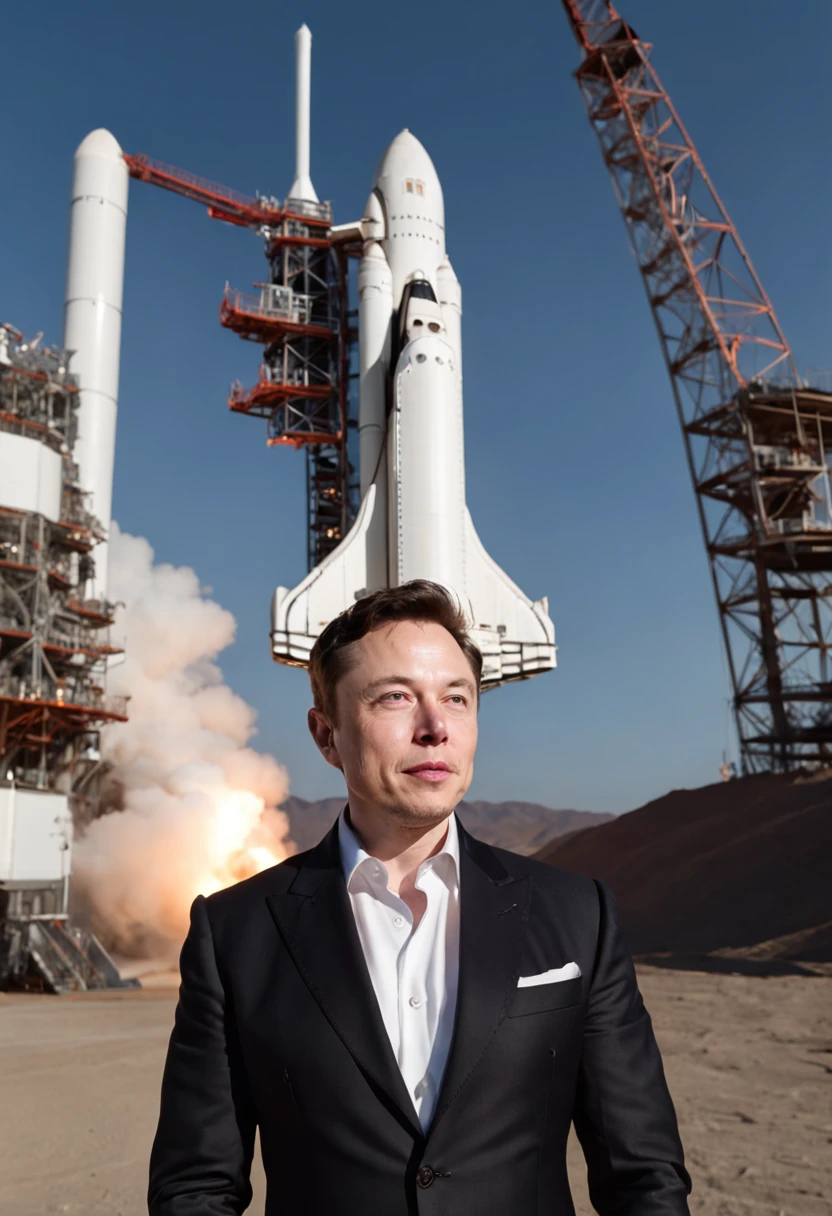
{"x":569,"y":971}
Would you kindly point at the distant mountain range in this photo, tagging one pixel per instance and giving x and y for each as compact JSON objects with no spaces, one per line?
{"x":522,"y":827}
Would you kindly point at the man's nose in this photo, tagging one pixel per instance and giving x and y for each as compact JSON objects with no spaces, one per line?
{"x":431,"y":727}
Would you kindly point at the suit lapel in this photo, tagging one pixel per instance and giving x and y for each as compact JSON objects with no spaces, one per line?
{"x":316,"y":922}
{"x":494,"y":908}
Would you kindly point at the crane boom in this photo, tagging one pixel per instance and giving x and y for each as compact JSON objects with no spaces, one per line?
{"x":756,"y":437}
{"x":222,"y":202}
{"x":229,"y":205}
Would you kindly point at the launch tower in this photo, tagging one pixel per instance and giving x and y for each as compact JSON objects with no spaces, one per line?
{"x":300,"y":316}
{"x":53,"y":653}
{"x":756,"y":435}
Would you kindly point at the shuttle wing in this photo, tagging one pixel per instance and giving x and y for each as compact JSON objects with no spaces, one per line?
{"x":299,"y":615}
{"x":514,"y":633}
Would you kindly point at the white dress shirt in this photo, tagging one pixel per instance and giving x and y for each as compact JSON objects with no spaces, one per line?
{"x":415,"y":972}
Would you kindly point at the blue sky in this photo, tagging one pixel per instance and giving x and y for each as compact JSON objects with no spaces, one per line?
{"x":575,"y":469}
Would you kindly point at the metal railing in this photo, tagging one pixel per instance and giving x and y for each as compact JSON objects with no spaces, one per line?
{"x":79,"y":640}
{"x":804,"y":523}
{"x":778,"y":457}
{"x":275,"y":301}
{"x":818,"y":378}
{"x":79,"y":696}
{"x":316,"y":211}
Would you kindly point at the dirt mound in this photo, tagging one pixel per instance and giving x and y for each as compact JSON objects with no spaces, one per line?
{"x":729,"y":867}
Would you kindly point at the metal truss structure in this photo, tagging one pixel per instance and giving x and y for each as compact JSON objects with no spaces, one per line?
{"x":54,"y":646}
{"x":300,"y":317}
{"x":756,"y":436}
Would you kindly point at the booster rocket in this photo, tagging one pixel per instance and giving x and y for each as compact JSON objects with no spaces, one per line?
{"x":92,"y":319}
{"x":413,"y":521}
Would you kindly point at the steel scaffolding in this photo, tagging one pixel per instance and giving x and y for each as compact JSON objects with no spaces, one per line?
{"x":300,"y":317}
{"x":54,"y":645}
{"x":756,"y":436}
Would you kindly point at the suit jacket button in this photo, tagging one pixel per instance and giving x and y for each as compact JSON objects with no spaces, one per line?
{"x":425,"y":1176}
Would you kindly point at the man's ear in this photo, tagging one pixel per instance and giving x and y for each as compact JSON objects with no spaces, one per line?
{"x":321,"y":731}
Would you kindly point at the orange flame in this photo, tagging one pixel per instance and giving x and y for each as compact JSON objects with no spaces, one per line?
{"x":238,"y":846}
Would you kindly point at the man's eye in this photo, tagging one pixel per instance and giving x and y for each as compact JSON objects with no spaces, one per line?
{"x":390,"y":695}
{"x":460,"y":700}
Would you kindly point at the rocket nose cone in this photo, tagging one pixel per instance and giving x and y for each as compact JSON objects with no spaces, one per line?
{"x":406,"y":159}
{"x":101,"y":144}
{"x":405,"y":149}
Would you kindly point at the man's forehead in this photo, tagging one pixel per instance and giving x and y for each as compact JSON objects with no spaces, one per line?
{"x":406,"y":640}
{"x":408,"y":635}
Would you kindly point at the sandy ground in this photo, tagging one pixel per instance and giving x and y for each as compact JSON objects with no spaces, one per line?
{"x":748,"y":1060}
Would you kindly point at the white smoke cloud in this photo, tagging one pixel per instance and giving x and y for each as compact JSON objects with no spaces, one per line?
{"x":199,"y":805}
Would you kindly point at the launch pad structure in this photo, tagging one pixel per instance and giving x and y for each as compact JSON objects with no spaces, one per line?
{"x":54,"y":647}
{"x":302,"y":319}
{"x":373,"y":394}
{"x":757,"y":436}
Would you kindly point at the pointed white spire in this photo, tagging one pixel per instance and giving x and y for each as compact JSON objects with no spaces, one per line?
{"x":302,"y":185}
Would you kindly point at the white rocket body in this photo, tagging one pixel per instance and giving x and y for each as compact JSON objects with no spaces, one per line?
{"x":92,"y":318}
{"x":413,"y":521}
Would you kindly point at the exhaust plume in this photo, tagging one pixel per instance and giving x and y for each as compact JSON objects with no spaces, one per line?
{"x":199,"y":806}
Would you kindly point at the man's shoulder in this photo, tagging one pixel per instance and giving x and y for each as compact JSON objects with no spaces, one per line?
{"x":557,"y":896}
{"x":274,"y":880}
{"x":548,"y":879}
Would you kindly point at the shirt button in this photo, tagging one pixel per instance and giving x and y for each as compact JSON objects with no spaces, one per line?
{"x":398,"y":921}
{"x":415,"y":1002}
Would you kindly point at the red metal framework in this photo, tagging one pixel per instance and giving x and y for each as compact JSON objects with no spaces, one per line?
{"x":299,"y":317}
{"x":756,"y":437}
{"x":222,"y":203}
{"x":53,"y":646}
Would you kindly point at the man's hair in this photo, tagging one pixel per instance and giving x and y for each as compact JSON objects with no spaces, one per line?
{"x":418,"y":600}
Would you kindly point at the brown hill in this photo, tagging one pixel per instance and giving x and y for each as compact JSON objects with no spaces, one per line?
{"x":738,"y":869}
{"x":523,"y":827}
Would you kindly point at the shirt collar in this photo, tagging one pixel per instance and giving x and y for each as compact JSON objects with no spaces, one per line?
{"x":353,"y":854}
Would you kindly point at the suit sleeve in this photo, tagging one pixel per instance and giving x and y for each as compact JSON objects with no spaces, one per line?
{"x":624,"y":1115}
{"x":201,"y":1157}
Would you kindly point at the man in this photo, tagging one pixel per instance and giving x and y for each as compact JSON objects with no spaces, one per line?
{"x":412,"y":1018}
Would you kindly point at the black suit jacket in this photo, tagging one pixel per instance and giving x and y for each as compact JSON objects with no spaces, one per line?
{"x":278,"y":1026}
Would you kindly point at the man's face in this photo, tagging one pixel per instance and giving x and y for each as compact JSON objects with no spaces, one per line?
{"x":407,"y":723}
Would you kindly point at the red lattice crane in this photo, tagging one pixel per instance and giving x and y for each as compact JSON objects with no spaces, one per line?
{"x":756,"y":436}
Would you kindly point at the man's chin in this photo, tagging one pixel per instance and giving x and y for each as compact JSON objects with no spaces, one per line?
{"x":425,"y":808}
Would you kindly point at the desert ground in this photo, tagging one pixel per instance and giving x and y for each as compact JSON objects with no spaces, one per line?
{"x":748,"y":1060}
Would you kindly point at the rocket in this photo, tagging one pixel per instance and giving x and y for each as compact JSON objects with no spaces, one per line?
{"x":92,"y":320}
{"x":413,"y":521}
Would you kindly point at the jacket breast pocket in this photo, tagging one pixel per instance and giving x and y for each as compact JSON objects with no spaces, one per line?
{"x":543,"y":998}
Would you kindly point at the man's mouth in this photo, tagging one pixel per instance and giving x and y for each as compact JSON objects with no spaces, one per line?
{"x":431,"y":770}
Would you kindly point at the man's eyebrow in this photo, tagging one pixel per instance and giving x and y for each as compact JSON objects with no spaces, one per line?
{"x":462,"y":682}
{"x":387,"y":680}
{"x":459,"y":682}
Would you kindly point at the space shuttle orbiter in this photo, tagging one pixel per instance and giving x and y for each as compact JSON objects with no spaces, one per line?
{"x":413,"y":521}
